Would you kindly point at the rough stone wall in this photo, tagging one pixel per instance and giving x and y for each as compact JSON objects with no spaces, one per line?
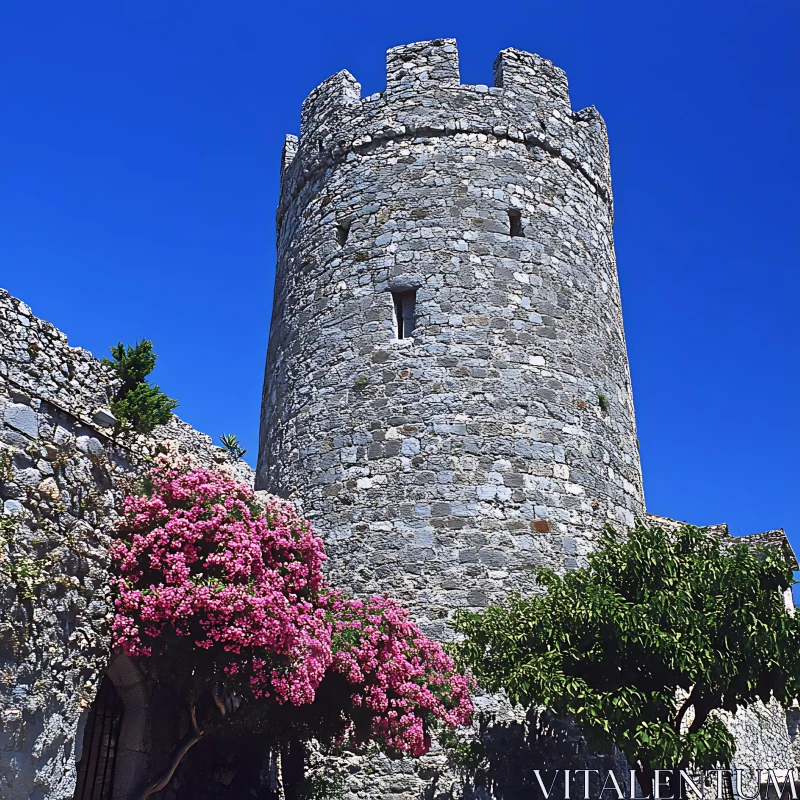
{"x":444,"y":467}
{"x":793,"y":730}
{"x":502,"y":435}
{"x":762,"y":740}
{"x":61,"y":475}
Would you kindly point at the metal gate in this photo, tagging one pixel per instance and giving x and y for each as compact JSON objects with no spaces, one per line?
{"x":98,"y":762}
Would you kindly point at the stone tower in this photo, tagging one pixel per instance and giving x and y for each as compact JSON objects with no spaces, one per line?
{"x":447,"y":386}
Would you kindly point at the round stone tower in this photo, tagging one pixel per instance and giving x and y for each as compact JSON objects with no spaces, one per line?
{"x":447,"y":387}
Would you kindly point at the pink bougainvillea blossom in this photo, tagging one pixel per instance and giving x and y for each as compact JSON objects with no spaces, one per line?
{"x":404,"y":678}
{"x":201,"y":562}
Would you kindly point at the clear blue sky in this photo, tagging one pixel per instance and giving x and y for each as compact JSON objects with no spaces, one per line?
{"x":140,"y":145}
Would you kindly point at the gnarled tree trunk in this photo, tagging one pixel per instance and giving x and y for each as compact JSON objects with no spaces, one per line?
{"x":193,"y":736}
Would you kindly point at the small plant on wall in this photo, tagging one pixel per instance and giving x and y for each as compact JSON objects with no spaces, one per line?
{"x":232,"y":446}
{"x":137,"y":404}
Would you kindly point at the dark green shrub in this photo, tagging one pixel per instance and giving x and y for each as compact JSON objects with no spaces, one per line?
{"x":647,"y":643}
{"x":138,"y":404}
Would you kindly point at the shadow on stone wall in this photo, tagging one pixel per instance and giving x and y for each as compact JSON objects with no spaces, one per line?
{"x":508,"y":753}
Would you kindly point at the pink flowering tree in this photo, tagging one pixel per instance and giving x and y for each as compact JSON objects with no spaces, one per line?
{"x":224,"y":596}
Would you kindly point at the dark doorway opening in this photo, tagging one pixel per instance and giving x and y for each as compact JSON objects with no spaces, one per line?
{"x":98,"y":764}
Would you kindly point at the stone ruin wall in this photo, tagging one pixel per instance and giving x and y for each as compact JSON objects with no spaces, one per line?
{"x":61,"y":476}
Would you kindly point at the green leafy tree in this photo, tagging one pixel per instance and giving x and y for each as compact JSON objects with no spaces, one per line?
{"x":641,"y":647}
{"x":138,"y":403}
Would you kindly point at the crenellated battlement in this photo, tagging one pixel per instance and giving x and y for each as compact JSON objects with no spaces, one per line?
{"x":336,"y":99}
{"x":529,"y":104}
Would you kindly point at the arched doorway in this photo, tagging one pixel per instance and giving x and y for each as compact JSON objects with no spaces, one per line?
{"x":98,"y":765}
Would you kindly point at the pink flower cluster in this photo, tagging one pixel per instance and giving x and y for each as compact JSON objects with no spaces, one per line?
{"x":200,"y":562}
{"x":402,"y":677}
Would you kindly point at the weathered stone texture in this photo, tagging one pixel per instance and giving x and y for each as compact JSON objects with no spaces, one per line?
{"x":445,"y":467}
{"x":763,"y":740}
{"x":61,"y":477}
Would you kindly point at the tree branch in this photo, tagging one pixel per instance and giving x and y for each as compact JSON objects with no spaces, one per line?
{"x":190,"y":740}
{"x":645,"y":774}
{"x":219,"y":702}
{"x":687,"y":703}
{"x":701,"y":712}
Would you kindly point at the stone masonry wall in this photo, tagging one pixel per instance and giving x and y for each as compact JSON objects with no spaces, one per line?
{"x":763,"y":740}
{"x":443,"y":468}
{"x":61,"y":475}
{"x":500,"y":436}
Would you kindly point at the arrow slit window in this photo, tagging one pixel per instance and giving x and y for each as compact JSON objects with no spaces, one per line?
{"x":405,"y":308}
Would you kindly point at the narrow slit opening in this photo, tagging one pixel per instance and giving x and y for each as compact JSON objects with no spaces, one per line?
{"x":404,"y":313}
{"x":342,"y":232}
{"x":515,"y":222}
